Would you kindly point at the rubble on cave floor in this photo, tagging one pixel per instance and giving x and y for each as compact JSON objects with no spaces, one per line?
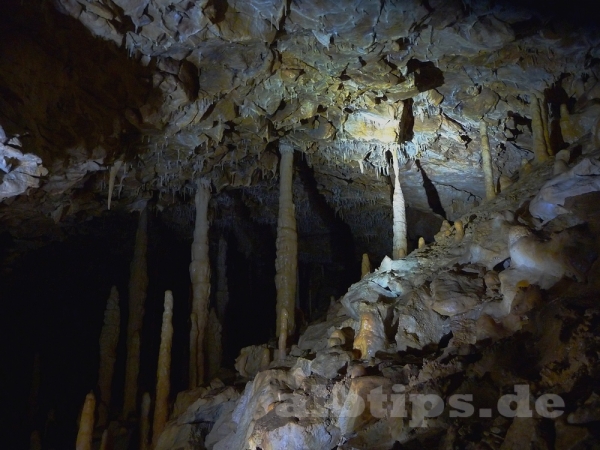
{"x":429,"y":351}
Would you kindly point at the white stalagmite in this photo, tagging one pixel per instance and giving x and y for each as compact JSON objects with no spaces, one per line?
{"x":163,"y":370}
{"x":421,"y":243}
{"x":486,"y":161}
{"x":400,"y":245}
{"x":200,"y":276}
{"x":86,"y":424}
{"x":287,"y":248}
{"x":537,"y":126}
{"x":111,"y":178}
{"x":109,"y":338}
{"x":138,"y":284}
{"x":145,"y":422}
{"x":214,"y":349}
{"x":365,"y":267}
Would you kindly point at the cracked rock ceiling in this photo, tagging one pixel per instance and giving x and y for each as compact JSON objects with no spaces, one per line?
{"x":183,"y":89}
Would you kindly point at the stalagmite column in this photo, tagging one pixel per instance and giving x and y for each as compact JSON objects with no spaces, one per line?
{"x":86,"y":424}
{"x":537,"y":126}
{"x":287,"y":249}
{"x":138,"y":284}
{"x":200,"y":276}
{"x":214,"y":349}
{"x":109,"y":338}
{"x":486,"y":161}
{"x":400,"y":245}
{"x":365,"y":266}
{"x":145,"y":422}
{"x":163,"y":371}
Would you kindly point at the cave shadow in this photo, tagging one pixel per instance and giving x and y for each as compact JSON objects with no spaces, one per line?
{"x":433,"y":198}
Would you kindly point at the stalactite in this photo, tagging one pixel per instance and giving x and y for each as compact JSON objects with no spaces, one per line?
{"x":287,"y":248}
{"x":163,"y":370}
{"x":214,"y":349}
{"x":222,"y":286}
{"x":111,"y":179}
{"x":545,"y":113}
{"x":86,"y":424}
{"x":145,"y":422}
{"x":365,"y":267}
{"x":200,"y":276}
{"x":400,"y":245}
{"x":109,"y":338}
{"x":486,"y":161}
{"x":537,"y":125}
{"x":138,"y":284}
{"x":421,"y":243}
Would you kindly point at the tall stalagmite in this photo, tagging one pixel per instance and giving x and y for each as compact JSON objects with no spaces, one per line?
{"x":486,"y":161}
{"x":287,"y":247}
{"x":163,"y":371}
{"x":400,"y":245}
{"x":86,"y":424}
{"x":200,"y":276}
{"x":138,"y":284}
{"x":365,"y":266}
{"x":109,"y":338}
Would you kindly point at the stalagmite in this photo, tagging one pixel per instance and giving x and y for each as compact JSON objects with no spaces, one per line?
{"x":138,"y":284}
{"x":145,"y":422}
{"x":86,"y":424}
{"x":283,"y":333}
{"x":365,"y":267}
{"x":104,"y":441}
{"x":570,"y":132}
{"x":400,"y":245}
{"x":111,"y":178}
{"x":460,"y":231}
{"x":421,"y":243}
{"x":546,"y":124}
{"x":214,"y":349}
{"x":222,"y":286}
{"x":486,"y":161}
{"x":266,"y":359}
{"x":163,"y":370}
{"x":200,"y":276}
{"x":287,"y":249}
{"x":537,"y":125}
{"x":109,"y":338}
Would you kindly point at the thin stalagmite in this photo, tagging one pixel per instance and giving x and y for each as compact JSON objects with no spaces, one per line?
{"x":486,"y":161}
{"x":109,"y":338}
{"x":138,"y":284}
{"x":86,"y":424}
{"x":537,"y":126}
{"x":200,"y":277}
{"x":365,"y":266}
{"x":400,"y":244}
{"x":222,"y":287}
{"x":421,"y":243}
{"x":104,"y":441}
{"x":287,"y":248}
{"x":214,"y":349}
{"x":145,"y":422}
{"x":163,"y":371}
{"x":111,"y":178}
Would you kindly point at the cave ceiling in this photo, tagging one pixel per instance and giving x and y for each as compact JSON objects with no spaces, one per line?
{"x":181,"y":90}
